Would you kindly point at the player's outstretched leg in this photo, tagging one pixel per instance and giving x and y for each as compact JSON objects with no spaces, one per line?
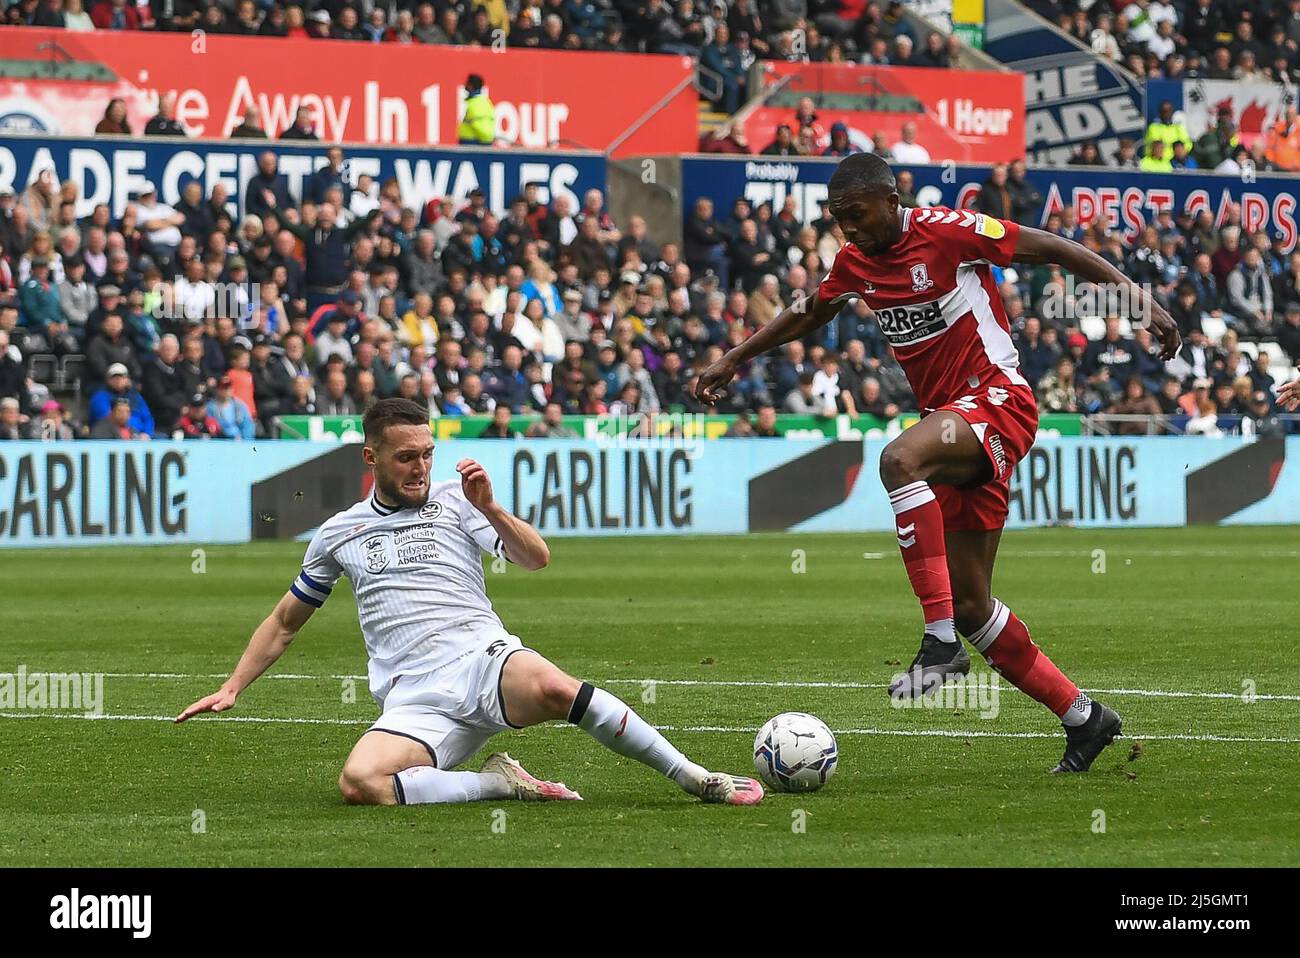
{"x":388,"y":769}
{"x":1089,"y":726}
{"x":940,"y":448}
{"x":534,"y":690}
{"x":1004,"y":640}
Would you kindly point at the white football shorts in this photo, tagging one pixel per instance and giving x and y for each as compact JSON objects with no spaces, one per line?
{"x":453,"y":711}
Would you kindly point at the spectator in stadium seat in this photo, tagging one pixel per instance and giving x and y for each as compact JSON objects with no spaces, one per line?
{"x":53,"y":425}
{"x":1182,"y":159}
{"x":1037,"y":356}
{"x":478,"y":123}
{"x":268,"y":188}
{"x":114,"y":121}
{"x":163,"y":385}
{"x":1087,"y":155}
{"x":749,"y":260}
{"x":933,"y":54}
{"x":14,"y":425}
{"x":994,"y":198}
{"x":164,"y":123}
{"x":250,"y":127}
{"x":302,"y":128}
{"x":1135,"y":401}
{"x":1025,"y":198}
{"x":802,"y":400}
{"x":1058,"y":390}
{"x":1165,"y":129}
{"x":115,"y":15}
{"x":232,"y":416}
{"x":507,"y":383}
{"x":907,"y":150}
{"x":1286,"y":285}
{"x":840,"y":144}
{"x":1227,"y":257}
{"x":334,"y":340}
{"x":42,"y":315}
{"x":1288,"y":332}
{"x":1113,"y":351}
{"x":160,"y":223}
{"x":1155,"y":160}
{"x":1250,"y":295}
{"x":1260,"y":377}
{"x":1283,"y":142}
{"x":500,"y":426}
{"x":118,"y":423}
{"x":75,"y":17}
{"x":705,"y":244}
{"x":723,"y":59}
{"x":1185,"y":310}
{"x":195,"y":422}
{"x":118,"y":386}
{"x":1216,"y":146}
{"x":783,"y":143}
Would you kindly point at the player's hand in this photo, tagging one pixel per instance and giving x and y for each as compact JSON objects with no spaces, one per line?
{"x":1288,"y":395}
{"x":218,"y":701}
{"x":1165,"y":329}
{"x":475,"y":483}
{"x":711,"y":386}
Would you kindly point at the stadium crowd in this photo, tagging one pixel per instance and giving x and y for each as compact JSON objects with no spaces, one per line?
{"x":726,"y":37}
{"x":194,"y":324}
{"x":815,"y":30}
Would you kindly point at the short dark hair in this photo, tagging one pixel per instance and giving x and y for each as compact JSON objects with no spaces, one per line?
{"x":392,"y":412}
{"x":863,"y":171}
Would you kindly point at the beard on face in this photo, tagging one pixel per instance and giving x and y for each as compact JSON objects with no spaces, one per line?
{"x":393,"y":490}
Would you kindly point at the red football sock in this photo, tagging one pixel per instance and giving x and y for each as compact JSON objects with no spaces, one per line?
{"x":919,"y":522}
{"x":1004,"y":641}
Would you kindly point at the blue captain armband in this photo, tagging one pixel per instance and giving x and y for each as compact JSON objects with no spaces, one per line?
{"x":309,"y":590}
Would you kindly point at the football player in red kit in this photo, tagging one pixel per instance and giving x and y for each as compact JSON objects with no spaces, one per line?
{"x":926,"y":274}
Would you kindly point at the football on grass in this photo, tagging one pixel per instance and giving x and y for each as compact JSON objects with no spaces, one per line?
{"x":795,"y":752}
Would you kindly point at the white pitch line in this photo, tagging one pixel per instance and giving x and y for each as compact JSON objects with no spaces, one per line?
{"x":730,"y":683}
{"x":722,"y":729}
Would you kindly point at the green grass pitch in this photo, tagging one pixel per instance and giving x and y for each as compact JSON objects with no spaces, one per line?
{"x":1178,"y":626}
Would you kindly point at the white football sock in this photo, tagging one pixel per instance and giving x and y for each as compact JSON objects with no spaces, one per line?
{"x":942,"y":629}
{"x":613,"y":724}
{"x":425,"y":785}
{"x":1079,"y":711}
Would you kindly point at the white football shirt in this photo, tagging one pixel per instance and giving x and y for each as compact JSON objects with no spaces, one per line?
{"x":417,"y":575}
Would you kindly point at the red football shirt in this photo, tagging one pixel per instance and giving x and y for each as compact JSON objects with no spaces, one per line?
{"x":934,"y":297}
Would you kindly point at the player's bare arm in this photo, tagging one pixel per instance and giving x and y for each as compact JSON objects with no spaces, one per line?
{"x":794,"y":322}
{"x":268,"y":643}
{"x":1037,"y":246}
{"x":1288,"y":395}
{"x":524,"y":546}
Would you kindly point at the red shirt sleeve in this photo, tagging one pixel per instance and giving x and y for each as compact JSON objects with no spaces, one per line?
{"x":840,"y":281}
{"x":972,"y":236}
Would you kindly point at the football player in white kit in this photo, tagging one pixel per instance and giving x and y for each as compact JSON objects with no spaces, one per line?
{"x":446,"y":672}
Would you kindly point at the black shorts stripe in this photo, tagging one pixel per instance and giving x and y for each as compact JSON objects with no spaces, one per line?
{"x":397,"y":787}
{"x":429,"y":748}
{"x":501,"y":699}
{"x":580,"y":702}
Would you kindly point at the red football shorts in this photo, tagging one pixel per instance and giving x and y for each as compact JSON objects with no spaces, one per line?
{"x":1005,"y":418}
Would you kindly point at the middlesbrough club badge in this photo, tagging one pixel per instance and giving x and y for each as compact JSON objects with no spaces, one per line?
{"x":921,"y":280}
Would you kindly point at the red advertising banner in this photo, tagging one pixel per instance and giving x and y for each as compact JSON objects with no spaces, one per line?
{"x":967,"y":116}
{"x":58,"y":82}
